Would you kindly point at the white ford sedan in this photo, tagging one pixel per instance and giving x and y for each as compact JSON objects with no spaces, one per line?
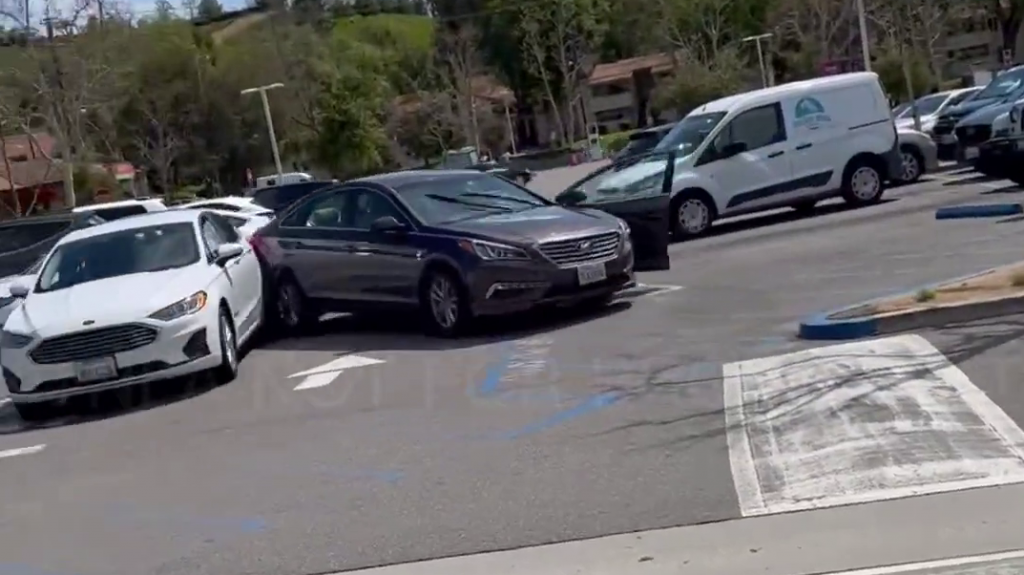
{"x":145,"y":298}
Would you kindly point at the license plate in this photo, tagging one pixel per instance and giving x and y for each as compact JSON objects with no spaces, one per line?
{"x":946,"y":139}
{"x":591,"y":273}
{"x":970,"y":153}
{"x":96,"y":369}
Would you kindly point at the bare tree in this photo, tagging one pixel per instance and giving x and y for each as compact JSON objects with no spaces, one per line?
{"x":462,"y":66}
{"x":823,"y":29}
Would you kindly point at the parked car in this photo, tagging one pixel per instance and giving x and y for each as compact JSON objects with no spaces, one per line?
{"x":23,"y":241}
{"x":919,"y":155}
{"x":279,"y":198}
{"x":789,"y":145}
{"x":930,"y":107}
{"x":111,"y":211}
{"x":642,"y":142}
{"x":449,"y":244}
{"x":247,"y":224}
{"x":238,"y":204}
{"x":469,"y":159}
{"x":1006,"y":148}
{"x":961,"y":142}
{"x":145,"y":298}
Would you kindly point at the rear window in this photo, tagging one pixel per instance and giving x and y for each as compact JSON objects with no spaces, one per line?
{"x":116,"y":213}
{"x":280,"y":197}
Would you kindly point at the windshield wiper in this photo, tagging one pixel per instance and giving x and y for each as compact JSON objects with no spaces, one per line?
{"x":452,"y":200}
{"x":499,"y":197}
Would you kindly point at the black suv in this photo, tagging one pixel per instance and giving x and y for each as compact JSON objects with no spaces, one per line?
{"x":24,"y":241}
{"x":280,"y":198}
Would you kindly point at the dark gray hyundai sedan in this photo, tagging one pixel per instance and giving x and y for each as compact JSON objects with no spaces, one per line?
{"x":451,"y":245}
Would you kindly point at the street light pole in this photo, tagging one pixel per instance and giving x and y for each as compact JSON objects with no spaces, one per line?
{"x":760,"y":55}
{"x":865,"y":43}
{"x":270,"y":121}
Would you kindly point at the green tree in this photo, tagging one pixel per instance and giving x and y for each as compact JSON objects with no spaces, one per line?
{"x":209,"y":9}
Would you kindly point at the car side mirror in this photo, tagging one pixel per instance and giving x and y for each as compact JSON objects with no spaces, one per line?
{"x":18,"y":289}
{"x":733,"y":149}
{"x":387,"y":224}
{"x":228,"y":252}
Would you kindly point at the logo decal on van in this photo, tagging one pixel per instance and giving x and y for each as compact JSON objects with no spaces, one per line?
{"x":809,"y":113}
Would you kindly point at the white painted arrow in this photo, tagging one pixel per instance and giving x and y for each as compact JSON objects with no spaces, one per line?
{"x":22,"y":451}
{"x":328,"y":372}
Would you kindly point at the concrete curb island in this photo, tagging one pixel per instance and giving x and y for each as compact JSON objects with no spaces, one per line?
{"x":820,"y":326}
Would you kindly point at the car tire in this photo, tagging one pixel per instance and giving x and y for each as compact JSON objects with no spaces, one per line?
{"x":227,"y":371}
{"x":294,"y":313}
{"x":691,"y":216}
{"x":804,"y":208}
{"x":863,"y":183}
{"x":444,"y":304}
{"x":36,"y":412}
{"x":912,"y":165}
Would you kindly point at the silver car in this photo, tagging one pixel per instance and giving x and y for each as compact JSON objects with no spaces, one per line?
{"x":919,"y":153}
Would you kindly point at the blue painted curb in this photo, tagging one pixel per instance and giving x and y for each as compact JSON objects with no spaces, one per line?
{"x":820,"y":327}
{"x":979,"y":211}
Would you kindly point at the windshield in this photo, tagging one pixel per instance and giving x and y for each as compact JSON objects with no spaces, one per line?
{"x":635,"y":177}
{"x":120,"y":253}
{"x":690,"y":132}
{"x":963,"y":97}
{"x":926,"y":106}
{"x":455,"y":197}
{"x":1004,"y":85}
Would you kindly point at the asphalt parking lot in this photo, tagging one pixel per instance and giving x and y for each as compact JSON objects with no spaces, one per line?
{"x":364,"y":446}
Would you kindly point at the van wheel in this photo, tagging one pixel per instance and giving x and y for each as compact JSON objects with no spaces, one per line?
{"x":691,"y":216}
{"x":862,"y":183}
{"x":444,"y":304}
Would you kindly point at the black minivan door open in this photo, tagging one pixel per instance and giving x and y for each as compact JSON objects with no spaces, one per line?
{"x":638,"y":190}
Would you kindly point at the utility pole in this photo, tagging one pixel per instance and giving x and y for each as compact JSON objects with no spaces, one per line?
{"x":270,"y":121}
{"x":865,"y":42}
{"x":59,"y":117}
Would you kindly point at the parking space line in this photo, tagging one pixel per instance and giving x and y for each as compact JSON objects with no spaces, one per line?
{"x":22,"y":451}
{"x":325,"y":374}
{"x":937,"y":564}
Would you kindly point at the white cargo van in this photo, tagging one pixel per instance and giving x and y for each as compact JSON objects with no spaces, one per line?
{"x":789,"y":145}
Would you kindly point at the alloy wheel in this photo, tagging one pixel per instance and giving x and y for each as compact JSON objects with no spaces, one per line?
{"x":288,"y":305}
{"x":911,"y":167}
{"x":227,"y":336}
{"x":444,"y":302}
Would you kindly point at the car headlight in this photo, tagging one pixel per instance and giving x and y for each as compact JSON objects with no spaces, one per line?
{"x":1014,"y":115}
{"x":624,"y":227}
{"x":492,"y":251}
{"x":12,"y":340}
{"x":181,"y":308}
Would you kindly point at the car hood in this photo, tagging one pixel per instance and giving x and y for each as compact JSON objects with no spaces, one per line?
{"x":968,"y":108}
{"x":537,"y":225}
{"x":986,"y":115}
{"x":107,"y":301}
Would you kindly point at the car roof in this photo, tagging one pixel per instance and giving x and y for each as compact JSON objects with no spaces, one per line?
{"x":133,"y":222}
{"x":117,"y":204}
{"x":397,"y":179}
{"x":765,"y":95}
{"x":231,"y":200}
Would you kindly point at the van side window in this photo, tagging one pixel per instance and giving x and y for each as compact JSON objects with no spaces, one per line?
{"x":757,"y":128}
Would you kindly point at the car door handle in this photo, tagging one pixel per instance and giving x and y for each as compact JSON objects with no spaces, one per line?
{"x":776,"y":154}
{"x":804,"y":146}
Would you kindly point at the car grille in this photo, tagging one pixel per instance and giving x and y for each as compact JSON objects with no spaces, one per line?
{"x":93,"y":343}
{"x":582,"y":250}
{"x":973,"y":135}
